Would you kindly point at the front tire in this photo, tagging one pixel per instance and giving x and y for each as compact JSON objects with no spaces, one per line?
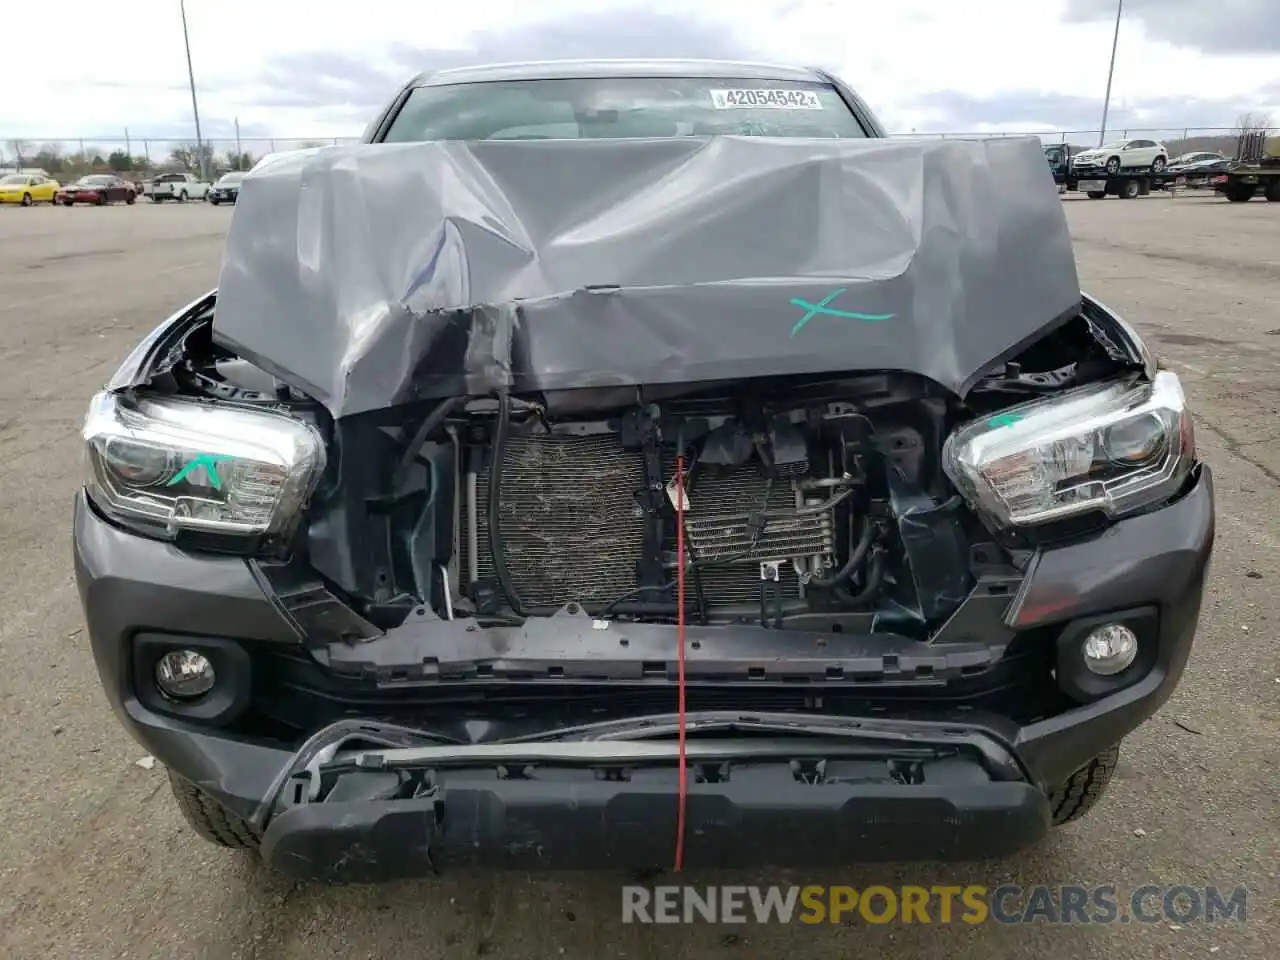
{"x":26,"y":199}
{"x":1081,"y":791}
{"x":1157,"y":165}
{"x":182,"y":197}
{"x":1097,"y":194}
{"x":214,"y":201}
{"x":210,"y":819}
{"x":1113,"y":165}
{"x":1273,"y":190}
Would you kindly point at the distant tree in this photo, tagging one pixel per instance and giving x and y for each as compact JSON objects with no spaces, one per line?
{"x":77,"y":164}
{"x":187,"y":156}
{"x":48,"y":158}
{"x":1248,"y":123}
{"x":19,"y":150}
{"x":184,"y":155}
{"x":239,"y":161}
{"x":119,"y":161}
{"x":98,"y":161}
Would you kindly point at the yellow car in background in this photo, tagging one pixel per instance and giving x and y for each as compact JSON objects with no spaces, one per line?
{"x":27,"y":188}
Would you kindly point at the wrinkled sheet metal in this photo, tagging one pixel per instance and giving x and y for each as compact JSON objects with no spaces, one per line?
{"x":374,"y":275}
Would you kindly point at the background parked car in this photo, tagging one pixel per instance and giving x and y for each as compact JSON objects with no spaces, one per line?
{"x":1205,"y":173}
{"x":27,"y":188}
{"x":97,"y":188}
{"x":1187,"y":161}
{"x":177,"y":186}
{"x":1123,"y":155}
{"x":227,"y":189}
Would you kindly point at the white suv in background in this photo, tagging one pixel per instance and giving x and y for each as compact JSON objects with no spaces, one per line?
{"x":1123,"y":154}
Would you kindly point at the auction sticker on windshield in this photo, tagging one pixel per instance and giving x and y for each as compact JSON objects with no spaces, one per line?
{"x":780,"y":99}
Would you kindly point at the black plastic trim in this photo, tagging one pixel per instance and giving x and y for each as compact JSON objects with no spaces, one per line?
{"x":761,"y":816}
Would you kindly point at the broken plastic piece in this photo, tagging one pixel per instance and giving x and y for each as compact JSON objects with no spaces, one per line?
{"x":678,"y":497}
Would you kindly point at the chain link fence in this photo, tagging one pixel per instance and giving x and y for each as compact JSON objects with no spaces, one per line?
{"x":141,"y":156}
{"x":1170,"y":136}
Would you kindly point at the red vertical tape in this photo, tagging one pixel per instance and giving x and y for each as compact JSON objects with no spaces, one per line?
{"x":684,"y":785}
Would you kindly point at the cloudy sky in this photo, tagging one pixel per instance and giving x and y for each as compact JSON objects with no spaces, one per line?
{"x":321,"y":68}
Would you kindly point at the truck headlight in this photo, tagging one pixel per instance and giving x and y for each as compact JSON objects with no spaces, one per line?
{"x":166,"y":465}
{"x":1113,"y":447}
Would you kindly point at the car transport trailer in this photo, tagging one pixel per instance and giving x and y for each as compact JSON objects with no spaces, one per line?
{"x":1098,"y":182}
{"x":1255,"y":172}
{"x":1242,"y":181}
{"x":1126,"y":184}
{"x":1238,"y":183}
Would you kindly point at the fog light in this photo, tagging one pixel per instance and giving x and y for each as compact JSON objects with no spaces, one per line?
{"x":184,"y":674}
{"x":1109,"y":649}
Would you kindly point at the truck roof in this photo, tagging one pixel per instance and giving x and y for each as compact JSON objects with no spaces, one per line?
{"x":567,"y":69}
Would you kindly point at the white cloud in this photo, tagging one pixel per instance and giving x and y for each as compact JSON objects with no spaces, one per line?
{"x":290,"y":68}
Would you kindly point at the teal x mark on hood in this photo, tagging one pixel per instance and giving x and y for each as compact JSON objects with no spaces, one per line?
{"x":824,"y":308}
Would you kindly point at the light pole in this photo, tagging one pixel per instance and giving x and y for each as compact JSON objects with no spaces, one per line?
{"x":1106,"y":101}
{"x":195,"y":110}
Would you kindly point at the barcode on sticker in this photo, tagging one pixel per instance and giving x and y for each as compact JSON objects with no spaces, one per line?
{"x":777,"y":99}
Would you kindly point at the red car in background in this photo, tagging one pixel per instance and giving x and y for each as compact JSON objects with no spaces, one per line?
{"x":97,"y":188}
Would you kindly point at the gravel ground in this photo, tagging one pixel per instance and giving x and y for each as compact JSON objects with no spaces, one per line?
{"x":95,"y":861}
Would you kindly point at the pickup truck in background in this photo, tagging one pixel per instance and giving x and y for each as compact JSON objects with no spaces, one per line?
{"x":177,"y":186}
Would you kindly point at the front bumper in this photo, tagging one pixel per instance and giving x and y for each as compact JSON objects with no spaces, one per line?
{"x":479,"y":815}
{"x":962,"y":807}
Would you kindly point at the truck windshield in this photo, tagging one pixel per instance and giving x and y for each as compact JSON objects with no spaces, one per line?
{"x":618,"y":107}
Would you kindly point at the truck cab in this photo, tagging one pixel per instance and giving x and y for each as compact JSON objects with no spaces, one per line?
{"x":1058,"y":156}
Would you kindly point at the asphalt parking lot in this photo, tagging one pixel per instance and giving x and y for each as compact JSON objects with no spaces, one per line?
{"x":96,"y":862}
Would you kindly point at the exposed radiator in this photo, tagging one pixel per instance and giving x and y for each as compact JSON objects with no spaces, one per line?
{"x":719,"y":513}
{"x":573,"y":530}
{"x":571,"y":526}
{"x":718,"y":525}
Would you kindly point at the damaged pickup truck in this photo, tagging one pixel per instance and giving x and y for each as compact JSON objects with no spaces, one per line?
{"x":627,"y":464}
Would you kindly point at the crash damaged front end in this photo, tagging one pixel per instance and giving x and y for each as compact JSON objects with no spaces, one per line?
{"x":874,"y":666}
{"x":401,"y":622}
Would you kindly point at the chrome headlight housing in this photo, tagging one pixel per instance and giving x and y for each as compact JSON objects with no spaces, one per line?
{"x":1112,"y":447}
{"x":165,"y":465}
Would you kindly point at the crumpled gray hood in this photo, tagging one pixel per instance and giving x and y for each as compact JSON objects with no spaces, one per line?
{"x":375,"y":275}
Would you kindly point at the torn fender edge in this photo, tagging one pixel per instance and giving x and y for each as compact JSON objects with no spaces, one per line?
{"x":159,"y":350}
